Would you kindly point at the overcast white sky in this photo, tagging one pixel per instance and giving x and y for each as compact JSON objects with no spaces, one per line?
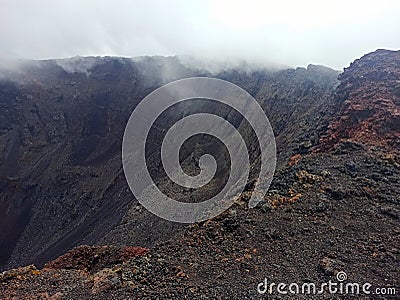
{"x":296,"y":33}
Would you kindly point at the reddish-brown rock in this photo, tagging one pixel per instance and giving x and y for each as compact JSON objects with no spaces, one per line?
{"x":369,"y":102}
{"x":94,"y":258}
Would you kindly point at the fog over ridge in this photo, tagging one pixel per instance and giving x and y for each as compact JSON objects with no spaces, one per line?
{"x":264,"y":33}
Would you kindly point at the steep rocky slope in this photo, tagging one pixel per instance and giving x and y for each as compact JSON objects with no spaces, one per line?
{"x":61,"y":172}
{"x":369,"y":99}
{"x":333,"y":205}
{"x":62,"y":124}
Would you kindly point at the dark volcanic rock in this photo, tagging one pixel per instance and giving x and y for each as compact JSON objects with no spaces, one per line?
{"x":326,"y":212}
{"x":61,"y":128}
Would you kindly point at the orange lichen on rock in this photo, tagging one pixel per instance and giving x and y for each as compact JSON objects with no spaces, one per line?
{"x":307,"y":178}
{"x":294,"y":159}
{"x":20,"y":273}
{"x":279,"y":200}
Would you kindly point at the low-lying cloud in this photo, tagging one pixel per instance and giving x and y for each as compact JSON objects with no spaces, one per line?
{"x":293,"y":33}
